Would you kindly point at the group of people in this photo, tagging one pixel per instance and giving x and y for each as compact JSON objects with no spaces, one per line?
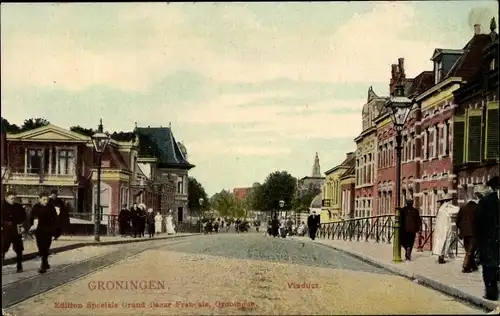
{"x":286,"y":226}
{"x":137,"y":221}
{"x":477,"y":224}
{"x":47,"y":221}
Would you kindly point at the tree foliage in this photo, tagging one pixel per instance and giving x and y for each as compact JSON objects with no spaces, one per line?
{"x":279,"y":185}
{"x":227,"y":204}
{"x":33,"y":123}
{"x":303,"y":200}
{"x":28,"y":125}
{"x":82,"y":130}
{"x":197,"y":191}
{"x":9,"y":128}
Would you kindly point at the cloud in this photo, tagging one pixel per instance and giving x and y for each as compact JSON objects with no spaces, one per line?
{"x":132,"y":46}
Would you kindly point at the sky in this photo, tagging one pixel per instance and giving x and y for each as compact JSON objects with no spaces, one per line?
{"x":249,"y":88}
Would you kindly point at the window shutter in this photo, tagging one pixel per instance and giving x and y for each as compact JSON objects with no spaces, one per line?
{"x":492,"y":134}
{"x":474,"y":136}
{"x":458,"y":140}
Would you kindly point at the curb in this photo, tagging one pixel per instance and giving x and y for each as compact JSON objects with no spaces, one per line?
{"x":33,"y":255}
{"x":422,"y":280}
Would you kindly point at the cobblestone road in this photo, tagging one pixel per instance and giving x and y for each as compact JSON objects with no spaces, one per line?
{"x":230,"y":274}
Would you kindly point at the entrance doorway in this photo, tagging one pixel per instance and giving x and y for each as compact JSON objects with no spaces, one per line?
{"x":180,"y":214}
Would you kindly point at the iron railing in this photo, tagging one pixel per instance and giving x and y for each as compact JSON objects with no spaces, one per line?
{"x":379,"y":229}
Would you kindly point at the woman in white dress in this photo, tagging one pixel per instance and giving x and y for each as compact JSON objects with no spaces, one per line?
{"x":170,"y":224}
{"x":158,"y":223}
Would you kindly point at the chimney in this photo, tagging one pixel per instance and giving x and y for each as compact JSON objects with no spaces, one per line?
{"x":401,"y":63}
{"x":477,"y":29}
{"x":394,"y":71}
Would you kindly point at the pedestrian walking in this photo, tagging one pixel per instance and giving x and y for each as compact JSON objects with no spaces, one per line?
{"x":169,"y":223}
{"x":488,"y":235}
{"x":124,"y":221}
{"x":13,"y":219}
{"x":150,"y":223}
{"x":411,"y":223}
{"x":44,"y":225}
{"x":466,"y":225}
{"x":158,"y":223}
{"x":275,"y":226}
{"x":142,"y":219}
{"x":62,"y":221}
{"x":313,"y":223}
{"x":135,"y":219}
{"x":444,"y":236}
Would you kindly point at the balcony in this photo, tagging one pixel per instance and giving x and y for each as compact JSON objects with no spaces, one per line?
{"x":25,"y":177}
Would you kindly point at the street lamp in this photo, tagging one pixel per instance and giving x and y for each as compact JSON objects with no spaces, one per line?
{"x":100,"y":141}
{"x":201,"y":201}
{"x":399,"y":108}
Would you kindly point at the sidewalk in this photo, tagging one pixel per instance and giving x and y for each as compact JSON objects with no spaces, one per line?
{"x":65,"y":243}
{"x":424,"y":269}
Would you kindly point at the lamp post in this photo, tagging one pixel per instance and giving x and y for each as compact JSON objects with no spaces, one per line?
{"x":100,"y":141}
{"x":399,"y":108}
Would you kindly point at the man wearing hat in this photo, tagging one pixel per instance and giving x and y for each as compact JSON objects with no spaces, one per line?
{"x":466,"y":224}
{"x":488,"y":235}
{"x":443,"y":232}
{"x":411,"y":223}
{"x":62,"y":213}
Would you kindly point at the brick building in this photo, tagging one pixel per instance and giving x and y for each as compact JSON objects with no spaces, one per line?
{"x":365,"y":165}
{"x":51,"y":157}
{"x":475,"y":126}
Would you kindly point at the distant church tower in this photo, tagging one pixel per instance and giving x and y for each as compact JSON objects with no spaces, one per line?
{"x":316,"y":171}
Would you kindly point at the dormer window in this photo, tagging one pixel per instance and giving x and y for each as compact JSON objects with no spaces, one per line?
{"x":438,"y":71}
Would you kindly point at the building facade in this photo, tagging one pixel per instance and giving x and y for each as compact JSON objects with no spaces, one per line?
{"x":365,"y":165}
{"x":475,"y":123}
{"x":348,"y":188}
{"x":171,"y":165}
{"x":332,"y":191}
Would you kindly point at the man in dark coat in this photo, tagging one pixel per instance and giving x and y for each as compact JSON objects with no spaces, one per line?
{"x":124,"y":221}
{"x":135,"y":218}
{"x":275,"y":225}
{"x":13,"y":218}
{"x":411,"y":223}
{"x":62,"y":216}
{"x":44,"y":216}
{"x":488,"y":234}
{"x":466,"y":224}
{"x":313,"y":223}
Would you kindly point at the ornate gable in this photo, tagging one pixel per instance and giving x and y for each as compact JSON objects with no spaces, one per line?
{"x":49,"y":133}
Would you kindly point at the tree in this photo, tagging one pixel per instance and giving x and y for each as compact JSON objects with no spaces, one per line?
{"x":226,"y":204}
{"x":279,"y":185}
{"x":82,"y":130}
{"x":9,"y":128}
{"x":33,"y":123}
{"x":196,"y":192}
{"x":303,"y":200}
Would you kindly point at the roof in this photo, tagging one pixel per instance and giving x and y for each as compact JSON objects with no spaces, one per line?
{"x":241,"y":193}
{"x":160,"y":142}
{"x":469,"y":63}
{"x":421,"y":83}
{"x":349,"y":172}
{"x":116,"y":161}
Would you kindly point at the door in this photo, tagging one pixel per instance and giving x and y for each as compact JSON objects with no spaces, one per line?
{"x":180,"y":213}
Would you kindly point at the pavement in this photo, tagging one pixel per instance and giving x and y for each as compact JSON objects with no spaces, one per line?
{"x":65,"y":243}
{"x":423,"y":269}
{"x":223,"y":274}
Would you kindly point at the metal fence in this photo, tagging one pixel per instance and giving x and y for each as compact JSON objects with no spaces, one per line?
{"x":380,"y":229}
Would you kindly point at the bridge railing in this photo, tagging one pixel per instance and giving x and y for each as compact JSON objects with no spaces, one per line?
{"x":378,"y":229}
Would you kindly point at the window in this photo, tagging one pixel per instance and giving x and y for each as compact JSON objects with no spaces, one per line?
{"x":34,"y":161}
{"x":65,"y":162}
{"x":492,"y":136}
{"x":180,"y":185}
{"x":492,"y":64}
{"x":412,"y":146}
{"x":446,"y":138}
{"x":424,"y":144}
{"x":438,"y":71}
{"x":436,"y":141}
{"x":474,"y":135}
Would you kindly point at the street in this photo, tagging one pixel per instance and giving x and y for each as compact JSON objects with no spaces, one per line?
{"x":216,"y":274}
